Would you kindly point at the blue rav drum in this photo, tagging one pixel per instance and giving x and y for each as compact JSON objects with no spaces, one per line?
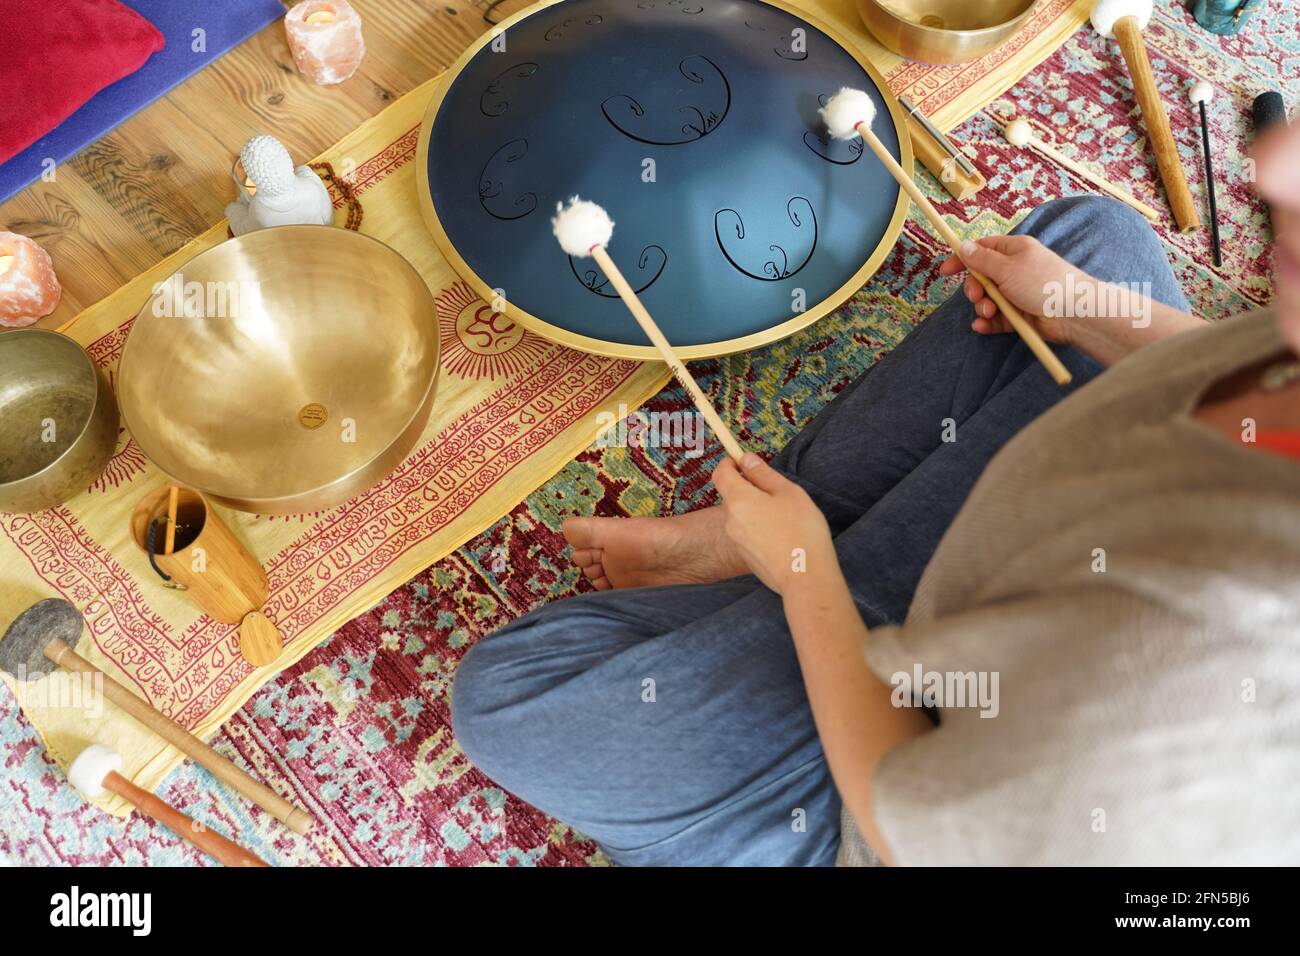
{"x":738,"y":219}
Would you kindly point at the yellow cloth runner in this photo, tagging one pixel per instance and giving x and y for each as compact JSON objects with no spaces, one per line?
{"x":512,"y":409}
{"x":950,"y":94}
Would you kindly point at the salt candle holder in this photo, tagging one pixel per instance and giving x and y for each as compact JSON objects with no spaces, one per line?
{"x":29,"y":289}
{"x":325,"y":39}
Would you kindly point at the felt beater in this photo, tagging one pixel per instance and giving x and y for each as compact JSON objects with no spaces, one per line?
{"x":96,"y":772}
{"x":1019,"y":133}
{"x":1124,"y":20}
{"x":850,"y":113}
{"x":584,"y":229}
{"x":44,"y":637}
{"x":1267,"y":111}
{"x":1200,"y":94}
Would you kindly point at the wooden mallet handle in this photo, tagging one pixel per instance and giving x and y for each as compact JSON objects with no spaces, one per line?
{"x":1085,"y":173}
{"x":651,"y":329}
{"x":1129,"y":34}
{"x":1060,"y":374}
{"x":173,"y":500}
{"x":214,"y":844}
{"x":297,"y":820}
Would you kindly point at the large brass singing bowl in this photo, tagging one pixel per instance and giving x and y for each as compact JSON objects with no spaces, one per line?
{"x":944,"y":31}
{"x":58,"y":420}
{"x":284,"y":371}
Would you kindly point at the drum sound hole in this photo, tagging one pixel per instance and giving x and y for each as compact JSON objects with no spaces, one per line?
{"x":934,"y":21}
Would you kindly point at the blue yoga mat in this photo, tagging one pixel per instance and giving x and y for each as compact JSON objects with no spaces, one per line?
{"x":226,"y":24}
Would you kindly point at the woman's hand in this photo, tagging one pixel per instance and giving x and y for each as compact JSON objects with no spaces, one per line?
{"x":1029,"y":274}
{"x":776,"y":527}
{"x":1069,"y":307}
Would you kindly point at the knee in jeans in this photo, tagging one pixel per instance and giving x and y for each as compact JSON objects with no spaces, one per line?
{"x":480,"y":707}
{"x":468,"y":688}
{"x":1060,"y":221}
{"x":501,"y":683}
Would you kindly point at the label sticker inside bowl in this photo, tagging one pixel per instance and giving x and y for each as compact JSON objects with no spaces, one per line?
{"x":312,"y":415}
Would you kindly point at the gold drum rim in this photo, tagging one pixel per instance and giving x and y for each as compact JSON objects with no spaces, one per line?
{"x":645,"y":353}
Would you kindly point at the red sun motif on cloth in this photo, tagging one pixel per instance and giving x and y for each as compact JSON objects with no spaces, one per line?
{"x":128,"y":459}
{"x":479,"y":342}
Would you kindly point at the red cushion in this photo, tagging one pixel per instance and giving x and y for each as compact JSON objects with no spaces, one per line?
{"x":56,"y":54}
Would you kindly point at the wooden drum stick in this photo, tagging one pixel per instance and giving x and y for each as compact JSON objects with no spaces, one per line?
{"x":173,"y":500}
{"x":854,"y":103}
{"x":1124,"y":20}
{"x":1019,"y":133}
{"x":1129,"y":35}
{"x":651,"y":329}
{"x":209,"y":841}
{"x":585,"y":227}
{"x":296,"y":819}
{"x":96,"y":770}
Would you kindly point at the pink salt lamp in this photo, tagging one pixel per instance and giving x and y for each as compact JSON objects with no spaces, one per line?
{"x":325,"y":39}
{"x":29,"y":289}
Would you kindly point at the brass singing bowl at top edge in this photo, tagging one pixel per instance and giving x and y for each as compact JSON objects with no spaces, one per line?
{"x":283,"y":371}
{"x":58,"y":420}
{"x":944,"y":31}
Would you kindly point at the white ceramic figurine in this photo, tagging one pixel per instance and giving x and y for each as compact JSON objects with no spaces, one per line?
{"x":284,"y":196}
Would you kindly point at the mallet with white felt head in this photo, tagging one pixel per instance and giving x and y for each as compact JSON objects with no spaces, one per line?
{"x":44,"y":636}
{"x":584,"y":229}
{"x":96,"y":772}
{"x":1200,"y":94}
{"x":1019,"y":133}
{"x":1124,"y":20}
{"x":850,"y":113}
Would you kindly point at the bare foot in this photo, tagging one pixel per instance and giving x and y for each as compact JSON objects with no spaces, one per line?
{"x":638,"y":552}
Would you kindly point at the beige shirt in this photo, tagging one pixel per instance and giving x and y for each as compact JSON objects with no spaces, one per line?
{"x":1132,"y":579}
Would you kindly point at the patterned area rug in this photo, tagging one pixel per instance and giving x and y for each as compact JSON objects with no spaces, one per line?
{"x":360,"y":729}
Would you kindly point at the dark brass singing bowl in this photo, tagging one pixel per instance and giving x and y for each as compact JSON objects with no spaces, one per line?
{"x":58,"y":420}
{"x":284,"y":371}
{"x":944,"y":31}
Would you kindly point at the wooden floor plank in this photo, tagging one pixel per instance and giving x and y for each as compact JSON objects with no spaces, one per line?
{"x":163,"y":176}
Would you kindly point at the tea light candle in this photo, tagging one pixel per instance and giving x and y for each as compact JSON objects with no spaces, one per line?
{"x":29,"y":289}
{"x":325,"y":39}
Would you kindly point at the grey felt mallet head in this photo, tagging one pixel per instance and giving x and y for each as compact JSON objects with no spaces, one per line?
{"x":22,"y":649}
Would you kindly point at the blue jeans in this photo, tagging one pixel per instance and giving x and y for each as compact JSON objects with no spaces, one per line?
{"x":670,"y":724}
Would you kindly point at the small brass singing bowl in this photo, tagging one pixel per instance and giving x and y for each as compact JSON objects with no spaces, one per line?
{"x":283,"y":371}
{"x":58,"y":420}
{"x":944,"y":31}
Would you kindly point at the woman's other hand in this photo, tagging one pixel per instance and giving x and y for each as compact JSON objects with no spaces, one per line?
{"x":777,"y":529}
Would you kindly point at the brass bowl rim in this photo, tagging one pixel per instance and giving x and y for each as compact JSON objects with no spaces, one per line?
{"x":945,"y":32}
{"x":262,"y":501}
{"x":89,"y":366}
{"x":648,"y":353}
